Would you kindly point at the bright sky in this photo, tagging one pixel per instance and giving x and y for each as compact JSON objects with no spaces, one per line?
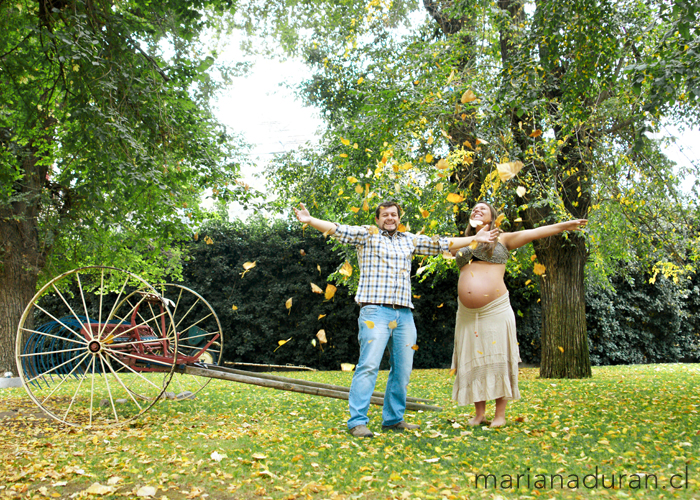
{"x":265,"y":110}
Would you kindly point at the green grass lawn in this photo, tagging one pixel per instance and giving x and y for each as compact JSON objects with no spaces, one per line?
{"x":640,"y":424}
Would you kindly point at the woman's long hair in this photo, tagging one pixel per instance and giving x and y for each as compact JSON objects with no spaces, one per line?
{"x":471,"y":231}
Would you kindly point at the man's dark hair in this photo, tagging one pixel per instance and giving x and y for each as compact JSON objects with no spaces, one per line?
{"x":387,"y":204}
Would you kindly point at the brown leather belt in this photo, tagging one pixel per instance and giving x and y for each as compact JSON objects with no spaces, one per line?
{"x":391,"y":306}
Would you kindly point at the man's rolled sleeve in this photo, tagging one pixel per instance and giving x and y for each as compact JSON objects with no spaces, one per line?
{"x":353,"y":235}
{"x":427,"y":245}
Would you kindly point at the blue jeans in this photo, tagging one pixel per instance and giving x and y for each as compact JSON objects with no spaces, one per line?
{"x":373,"y":341}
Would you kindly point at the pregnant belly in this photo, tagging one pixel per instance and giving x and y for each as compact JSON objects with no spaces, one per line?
{"x":481,"y":283}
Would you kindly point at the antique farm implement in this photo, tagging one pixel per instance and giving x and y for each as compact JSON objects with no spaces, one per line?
{"x":98,"y":346}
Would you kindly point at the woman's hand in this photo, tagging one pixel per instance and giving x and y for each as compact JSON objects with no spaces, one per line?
{"x":574,"y":225}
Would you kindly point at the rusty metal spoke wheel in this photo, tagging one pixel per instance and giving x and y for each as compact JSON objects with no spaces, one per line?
{"x":83,"y":352}
{"x":200,"y":338}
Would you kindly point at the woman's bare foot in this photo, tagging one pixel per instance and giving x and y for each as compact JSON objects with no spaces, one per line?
{"x":477,"y":420}
{"x":498,"y":422}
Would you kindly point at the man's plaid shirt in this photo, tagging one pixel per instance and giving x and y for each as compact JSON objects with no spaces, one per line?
{"x":385,"y":261}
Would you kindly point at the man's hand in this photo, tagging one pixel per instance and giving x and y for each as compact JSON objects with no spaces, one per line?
{"x":486,"y":236}
{"x":302,"y":214}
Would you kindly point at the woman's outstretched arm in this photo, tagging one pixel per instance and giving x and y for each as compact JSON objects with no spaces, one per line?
{"x":515,"y":240}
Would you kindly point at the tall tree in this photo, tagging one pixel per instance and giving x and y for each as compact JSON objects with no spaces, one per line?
{"x":540,"y":86}
{"x":106,"y":139}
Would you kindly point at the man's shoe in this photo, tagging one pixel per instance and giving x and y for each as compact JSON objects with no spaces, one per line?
{"x":361,"y":431}
{"x":401,"y":426}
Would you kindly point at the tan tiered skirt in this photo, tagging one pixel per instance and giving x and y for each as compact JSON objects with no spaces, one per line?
{"x":486,"y":353}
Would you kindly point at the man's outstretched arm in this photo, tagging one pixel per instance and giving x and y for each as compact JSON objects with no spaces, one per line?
{"x":323,"y":226}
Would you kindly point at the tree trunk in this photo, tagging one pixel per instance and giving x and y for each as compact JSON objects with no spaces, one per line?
{"x":564,"y":334}
{"x":22,"y":253}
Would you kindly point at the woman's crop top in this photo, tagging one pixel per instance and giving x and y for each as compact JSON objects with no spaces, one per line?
{"x":467,"y":254}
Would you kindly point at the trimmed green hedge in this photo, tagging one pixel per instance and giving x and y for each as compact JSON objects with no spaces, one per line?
{"x":632,"y":322}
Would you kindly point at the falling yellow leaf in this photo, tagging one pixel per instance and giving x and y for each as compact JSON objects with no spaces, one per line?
{"x":343,"y":155}
{"x":365,"y":206}
{"x":519,"y":219}
{"x":528,"y":282}
{"x":249,"y":265}
{"x":321,"y":316}
{"x":401,"y":228}
{"x":509,"y":170}
{"x":480,"y":352}
{"x":468,"y":144}
{"x":416,"y":296}
{"x":352,"y":179}
{"x":370,"y":324}
{"x":439,"y":186}
{"x":345,"y":142}
{"x":393,"y":324}
{"x":431,"y":139}
{"x":536,"y":133}
{"x":539,"y":269}
{"x":473,"y":245}
{"x":455,"y":198}
{"x":442,"y":164}
{"x":358,"y":189}
{"x":355,"y":209}
{"x":280,"y":343}
{"x":429,"y":158}
{"x":346,"y":269}
{"x":561,"y":348}
{"x":499,"y":220}
{"x":440,"y":306}
{"x":330,"y":291}
{"x":196,"y":236}
{"x":373,"y":230}
{"x":208,"y":240}
{"x":474,"y":222}
{"x":288,"y":304}
{"x":347,"y":367}
{"x":234,"y":307}
{"x":533,"y":257}
{"x":319,"y":268}
{"x":302,"y":252}
{"x":316,"y":289}
{"x":360,"y":80}
{"x":328,"y":231}
{"x":453,"y":371}
{"x":321,"y":336}
{"x":521,"y":191}
{"x":424,"y":212}
{"x":467,"y":97}
{"x":414,"y":347}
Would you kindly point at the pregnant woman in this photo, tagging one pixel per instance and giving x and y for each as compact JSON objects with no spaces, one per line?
{"x":486,"y":355}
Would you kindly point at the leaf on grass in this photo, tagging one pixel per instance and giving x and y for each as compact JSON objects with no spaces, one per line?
{"x":370,"y":324}
{"x":259,"y":456}
{"x":346,"y":269}
{"x":432,"y":460}
{"x":347,"y":367}
{"x":146,"y":491}
{"x":100,"y":489}
{"x":509,"y":170}
{"x":330,"y":291}
{"x":113,"y":480}
{"x":455,"y":198}
{"x":321,"y":336}
{"x":316,"y":289}
{"x":539,"y":269}
{"x":218,"y":457}
{"x":393,"y":324}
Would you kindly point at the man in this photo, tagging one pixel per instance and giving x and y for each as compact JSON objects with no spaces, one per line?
{"x":386,"y":316}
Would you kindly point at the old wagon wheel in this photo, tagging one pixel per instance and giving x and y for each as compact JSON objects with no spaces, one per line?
{"x":80,"y":361}
{"x":199,"y":334}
